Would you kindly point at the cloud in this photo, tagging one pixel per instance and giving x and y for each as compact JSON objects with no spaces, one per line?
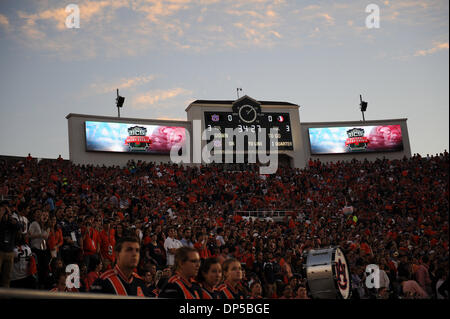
{"x":123,"y":83}
{"x":4,"y":22}
{"x":312,"y":7}
{"x":328,"y":18}
{"x":58,"y":16}
{"x":251,"y":13}
{"x":145,"y":100}
{"x":118,"y":28}
{"x":319,"y":17}
{"x":437,"y":47}
{"x":163,"y":8}
{"x":275,"y":33}
{"x":170,"y":118}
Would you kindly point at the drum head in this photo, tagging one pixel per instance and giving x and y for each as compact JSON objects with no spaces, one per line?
{"x":342,"y":274}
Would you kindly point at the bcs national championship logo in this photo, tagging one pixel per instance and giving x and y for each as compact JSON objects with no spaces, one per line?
{"x":138,"y":139}
{"x":356,"y":140}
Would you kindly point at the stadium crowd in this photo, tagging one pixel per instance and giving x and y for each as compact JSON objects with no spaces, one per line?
{"x":392,"y":213}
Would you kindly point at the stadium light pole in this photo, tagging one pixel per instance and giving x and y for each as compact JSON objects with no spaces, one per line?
{"x":119,"y":102}
{"x":363,"y":106}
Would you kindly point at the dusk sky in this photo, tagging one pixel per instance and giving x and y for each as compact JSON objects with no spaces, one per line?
{"x":164,"y":54}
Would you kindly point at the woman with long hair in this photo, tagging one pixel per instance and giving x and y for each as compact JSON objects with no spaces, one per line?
{"x":209,"y":276}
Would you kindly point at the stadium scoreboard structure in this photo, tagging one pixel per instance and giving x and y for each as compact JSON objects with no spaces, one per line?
{"x":102,"y":140}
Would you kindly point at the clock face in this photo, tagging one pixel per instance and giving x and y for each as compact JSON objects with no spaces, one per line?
{"x":247,"y":113}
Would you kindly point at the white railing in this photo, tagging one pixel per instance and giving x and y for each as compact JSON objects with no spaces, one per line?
{"x":275,"y":215}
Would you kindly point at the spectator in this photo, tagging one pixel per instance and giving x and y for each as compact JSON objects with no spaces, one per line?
{"x":24,"y":271}
{"x":255,"y":290}
{"x":442,"y":284}
{"x":71,"y":248}
{"x":422,"y":275}
{"x":286,"y":292}
{"x":171,"y":244}
{"x":219,"y":238}
{"x":202,"y":247}
{"x":38,"y":234}
{"x":411,"y":289}
{"x":301,"y":293}
{"x":209,"y":277}
{"x":186,"y":240}
{"x":9,"y":228}
{"x":180,"y":285}
{"x":150,"y":284}
{"x":61,"y":285}
{"x":232,"y":272}
{"x":90,"y":242}
{"x":55,"y":238}
{"x":155,"y":251}
{"x":107,"y":241}
{"x":122,"y":280}
{"x":94,"y":271}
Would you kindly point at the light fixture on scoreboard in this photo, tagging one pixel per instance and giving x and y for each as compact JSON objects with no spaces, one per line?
{"x":237,"y":92}
{"x":363,"y":106}
{"x":119,"y":102}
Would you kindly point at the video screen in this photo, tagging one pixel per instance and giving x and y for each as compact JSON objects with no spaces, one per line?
{"x":355,"y":139}
{"x":132,"y":138}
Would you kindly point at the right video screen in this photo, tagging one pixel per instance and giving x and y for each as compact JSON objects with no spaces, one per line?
{"x":355,"y":139}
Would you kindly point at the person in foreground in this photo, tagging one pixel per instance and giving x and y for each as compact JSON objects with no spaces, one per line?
{"x":232,"y":271}
{"x":182,"y":285}
{"x":209,"y":276}
{"x":122,"y":280}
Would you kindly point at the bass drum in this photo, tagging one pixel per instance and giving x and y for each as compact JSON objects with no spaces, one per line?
{"x":327,"y":274}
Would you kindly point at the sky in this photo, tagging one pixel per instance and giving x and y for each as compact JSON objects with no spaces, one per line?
{"x":165,"y":54}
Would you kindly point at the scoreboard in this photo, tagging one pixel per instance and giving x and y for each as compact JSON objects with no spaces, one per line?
{"x":249,"y":122}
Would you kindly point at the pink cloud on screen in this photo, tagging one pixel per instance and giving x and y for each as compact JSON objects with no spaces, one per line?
{"x":165,"y":137}
{"x":385,"y":137}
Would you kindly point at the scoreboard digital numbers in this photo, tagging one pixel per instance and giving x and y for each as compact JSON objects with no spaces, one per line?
{"x":249,"y":122}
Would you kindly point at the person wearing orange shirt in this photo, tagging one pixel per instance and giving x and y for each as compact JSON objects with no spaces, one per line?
{"x":90,"y":243}
{"x":202,"y":247}
{"x":107,"y":243}
{"x":96,"y":267}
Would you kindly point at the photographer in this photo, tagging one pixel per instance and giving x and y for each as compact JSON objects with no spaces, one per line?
{"x":9,"y":228}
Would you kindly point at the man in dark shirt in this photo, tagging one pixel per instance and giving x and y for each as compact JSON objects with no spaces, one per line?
{"x":70,"y":250}
{"x":9,"y":227}
{"x":122,"y":280}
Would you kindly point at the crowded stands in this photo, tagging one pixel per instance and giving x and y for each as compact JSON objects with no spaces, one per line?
{"x":392,"y":213}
